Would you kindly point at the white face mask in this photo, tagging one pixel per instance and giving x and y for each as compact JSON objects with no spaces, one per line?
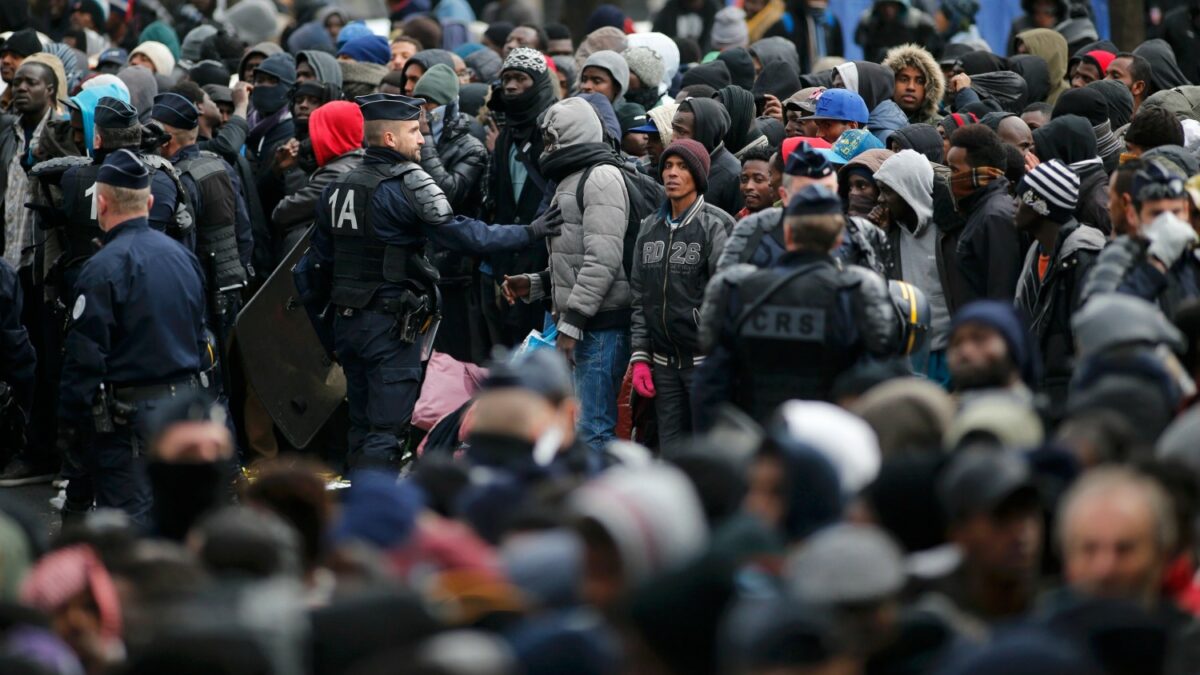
{"x":546,"y":448}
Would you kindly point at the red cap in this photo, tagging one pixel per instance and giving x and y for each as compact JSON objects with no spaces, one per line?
{"x":790,"y":145}
{"x":1101,"y":58}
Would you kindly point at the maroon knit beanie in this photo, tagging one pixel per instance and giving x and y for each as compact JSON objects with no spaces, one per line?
{"x":694,"y":155}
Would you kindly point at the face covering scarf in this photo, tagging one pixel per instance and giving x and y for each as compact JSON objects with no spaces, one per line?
{"x":966,"y":183}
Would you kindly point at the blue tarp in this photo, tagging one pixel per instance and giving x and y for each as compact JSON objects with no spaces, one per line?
{"x":994,"y":21}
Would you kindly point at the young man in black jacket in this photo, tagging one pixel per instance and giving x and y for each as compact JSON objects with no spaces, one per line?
{"x":676,"y":255}
{"x":989,"y":249}
{"x":1050,"y":288}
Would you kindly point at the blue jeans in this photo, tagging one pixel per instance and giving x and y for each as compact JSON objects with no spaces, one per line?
{"x":383,"y":378}
{"x":601,"y":358}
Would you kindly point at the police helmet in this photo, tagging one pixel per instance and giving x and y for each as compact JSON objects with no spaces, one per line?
{"x":914,"y":314}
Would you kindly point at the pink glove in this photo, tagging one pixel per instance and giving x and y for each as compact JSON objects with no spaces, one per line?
{"x":643,"y":382}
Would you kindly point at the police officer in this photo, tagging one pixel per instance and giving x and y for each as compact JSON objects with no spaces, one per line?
{"x":135,"y":339}
{"x":224,"y":243}
{"x":115,"y":127}
{"x":787,"y":332}
{"x":366,"y":262}
{"x":18,"y":362}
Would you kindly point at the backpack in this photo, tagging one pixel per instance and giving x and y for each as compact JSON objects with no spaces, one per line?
{"x":646,"y":196}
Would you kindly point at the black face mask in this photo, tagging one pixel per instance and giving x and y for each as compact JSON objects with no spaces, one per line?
{"x":268,"y":100}
{"x":185,"y":492}
{"x":644,"y":97}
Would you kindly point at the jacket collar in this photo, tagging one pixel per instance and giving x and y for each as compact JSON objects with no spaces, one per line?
{"x":187,"y":152}
{"x":377,"y":155}
{"x":999,"y":185}
{"x":127,"y":227}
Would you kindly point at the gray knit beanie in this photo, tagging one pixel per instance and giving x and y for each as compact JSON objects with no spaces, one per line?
{"x":646,"y":64}
{"x":729,"y":29}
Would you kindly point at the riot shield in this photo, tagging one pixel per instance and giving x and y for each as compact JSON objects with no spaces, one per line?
{"x":293,"y":376}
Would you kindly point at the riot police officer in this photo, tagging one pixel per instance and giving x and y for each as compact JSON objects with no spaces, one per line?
{"x":115,"y":126}
{"x":787,"y":332}
{"x":18,"y":362}
{"x":366,"y":263}
{"x":224,"y":243}
{"x":135,"y":339}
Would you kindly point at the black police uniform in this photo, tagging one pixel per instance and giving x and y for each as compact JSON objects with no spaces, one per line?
{"x":135,"y":338}
{"x":787,"y":332}
{"x":222,"y":221}
{"x":80,"y":229}
{"x":366,"y":260}
{"x":18,"y":363}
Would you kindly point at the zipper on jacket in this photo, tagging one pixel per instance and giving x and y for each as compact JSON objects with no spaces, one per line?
{"x":666,"y":277}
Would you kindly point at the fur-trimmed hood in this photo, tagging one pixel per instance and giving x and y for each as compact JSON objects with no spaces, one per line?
{"x":916,"y":56}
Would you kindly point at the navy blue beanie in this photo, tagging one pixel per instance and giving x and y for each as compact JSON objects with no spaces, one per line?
{"x":368,"y":49}
{"x":378,"y":509}
{"x":1002,"y":318}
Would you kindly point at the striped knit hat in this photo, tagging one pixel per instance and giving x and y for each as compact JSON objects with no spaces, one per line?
{"x":1051,"y":189}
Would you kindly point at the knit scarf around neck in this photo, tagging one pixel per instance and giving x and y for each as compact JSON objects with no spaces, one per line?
{"x":966,"y":183}
{"x":572,"y":159}
{"x":521,"y":111}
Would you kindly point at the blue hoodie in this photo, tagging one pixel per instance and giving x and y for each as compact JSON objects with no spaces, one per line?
{"x":86,"y":101}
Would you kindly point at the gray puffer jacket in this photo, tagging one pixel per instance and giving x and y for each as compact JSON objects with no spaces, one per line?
{"x":590,"y":289}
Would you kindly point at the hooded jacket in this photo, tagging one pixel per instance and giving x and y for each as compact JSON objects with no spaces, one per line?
{"x":741,"y":66}
{"x":589,"y":288}
{"x":615,"y":64}
{"x":996,"y":91}
{"x":777,"y":79}
{"x":335,"y":130}
{"x":1050,"y":302}
{"x":876,"y":85}
{"x":915,"y":56}
{"x":667,"y":291}
{"x":1036,"y":73}
{"x":264,"y":48}
{"x":142,"y":89}
{"x":324,"y":66}
{"x":428,"y":59}
{"x":1163,"y":65}
{"x":1052,"y":47}
{"x":739,"y":103}
{"x":916,"y":251}
{"x":924,"y":138}
{"x":724,"y":176}
{"x":776,"y":50}
{"x":1071,"y":140}
{"x":1118,"y":100}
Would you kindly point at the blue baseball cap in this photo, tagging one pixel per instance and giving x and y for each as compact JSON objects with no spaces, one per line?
{"x":841,"y":104}
{"x":852,"y":143}
{"x":116,"y":56}
{"x":648,"y":128}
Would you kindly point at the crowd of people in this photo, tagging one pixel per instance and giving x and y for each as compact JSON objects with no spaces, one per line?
{"x":440,"y":338}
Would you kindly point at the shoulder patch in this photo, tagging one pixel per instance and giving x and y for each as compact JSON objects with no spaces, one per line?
{"x":426,"y":197}
{"x":80,"y":305}
{"x":58,"y":165}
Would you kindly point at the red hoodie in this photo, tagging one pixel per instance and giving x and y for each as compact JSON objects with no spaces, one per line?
{"x":335,"y":129}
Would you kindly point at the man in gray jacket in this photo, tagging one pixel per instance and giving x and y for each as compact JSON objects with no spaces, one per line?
{"x":588,"y":285}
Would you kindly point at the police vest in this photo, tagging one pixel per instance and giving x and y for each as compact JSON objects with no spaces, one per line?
{"x":362,"y":263}
{"x":791,"y":336}
{"x":79,"y":206}
{"x":216,"y":229}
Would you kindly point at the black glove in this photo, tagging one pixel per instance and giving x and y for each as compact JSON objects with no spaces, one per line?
{"x":549,"y":224}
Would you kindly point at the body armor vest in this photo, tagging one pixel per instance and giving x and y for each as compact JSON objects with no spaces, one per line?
{"x":79,"y":206}
{"x":361,"y":262}
{"x":792,"y":339}
{"x":216,"y":228}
